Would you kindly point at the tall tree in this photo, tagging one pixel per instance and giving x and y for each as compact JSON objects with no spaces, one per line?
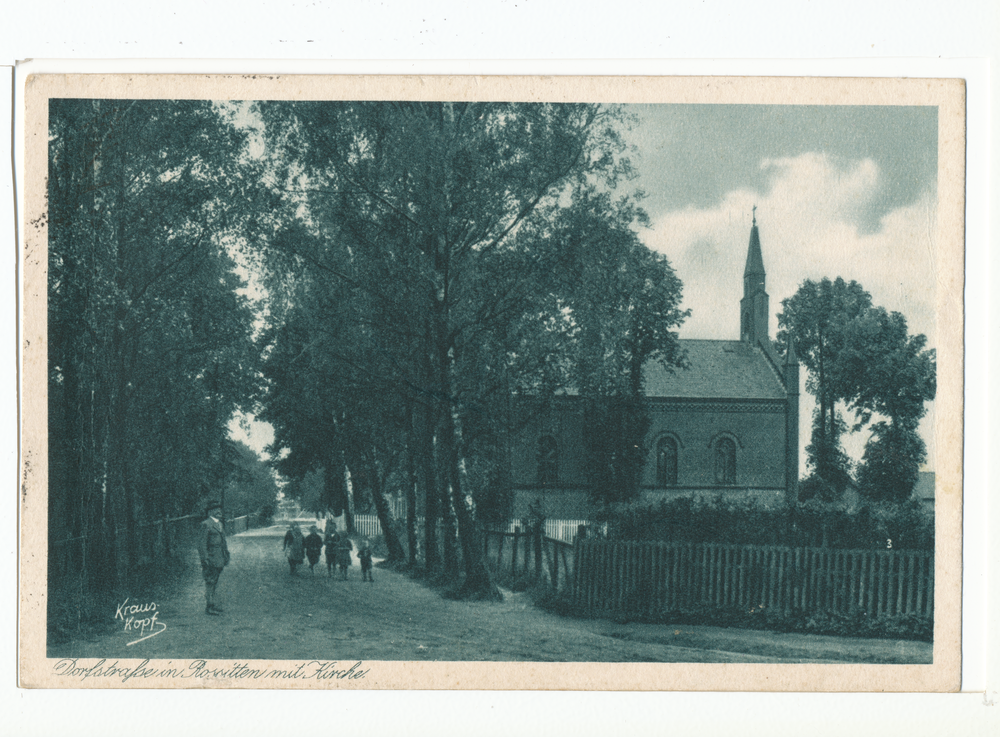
{"x":863,"y":356}
{"x":623,"y":303}
{"x":407,"y":201}
{"x":321,"y":380}
{"x":893,"y":375}
{"x":814,"y":318}
{"x":149,"y":341}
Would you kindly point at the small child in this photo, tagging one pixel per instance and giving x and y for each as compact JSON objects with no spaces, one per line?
{"x":313,"y":544}
{"x":330,"y":543}
{"x":365,"y":556}
{"x":344,"y":555}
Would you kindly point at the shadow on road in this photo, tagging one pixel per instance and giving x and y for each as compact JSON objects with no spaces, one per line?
{"x":272,"y":615}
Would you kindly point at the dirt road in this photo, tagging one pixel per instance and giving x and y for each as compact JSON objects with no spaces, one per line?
{"x":272,"y":615}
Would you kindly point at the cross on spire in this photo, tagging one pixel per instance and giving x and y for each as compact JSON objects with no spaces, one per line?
{"x":755,"y":214}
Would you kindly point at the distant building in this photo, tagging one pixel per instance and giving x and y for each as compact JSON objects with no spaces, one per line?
{"x":923,"y":490}
{"x":728,"y":424}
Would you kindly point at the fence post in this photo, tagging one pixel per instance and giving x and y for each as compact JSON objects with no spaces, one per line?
{"x":920,"y":585}
{"x":527,"y":552}
{"x":556,"y":549}
{"x":513,"y":553}
{"x":577,"y":570}
{"x":538,"y":553}
{"x":900,"y":580}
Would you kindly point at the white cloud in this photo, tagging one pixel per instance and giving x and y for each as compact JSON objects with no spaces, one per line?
{"x":808,"y":230}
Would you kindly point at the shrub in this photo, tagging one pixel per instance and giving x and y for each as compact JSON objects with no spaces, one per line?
{"x":813,"y":523}
{"x":266,"y":514}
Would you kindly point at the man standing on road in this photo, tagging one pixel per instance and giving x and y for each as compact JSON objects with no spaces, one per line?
{"x":214,"y":554}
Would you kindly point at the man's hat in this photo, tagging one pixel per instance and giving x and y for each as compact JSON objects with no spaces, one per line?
{"x":212,"y":505}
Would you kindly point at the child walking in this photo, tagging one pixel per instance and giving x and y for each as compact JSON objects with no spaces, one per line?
{"x":313,"y":544}
{"x":365,"y":556}
{"x":294,"y":546}
{"x":330,"y":543}
{"x":344,"y":548}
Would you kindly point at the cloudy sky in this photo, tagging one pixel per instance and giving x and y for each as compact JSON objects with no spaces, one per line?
{"x":840,"y":191}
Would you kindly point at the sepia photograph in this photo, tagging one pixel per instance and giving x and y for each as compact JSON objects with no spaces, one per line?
{"x":637,"y":383}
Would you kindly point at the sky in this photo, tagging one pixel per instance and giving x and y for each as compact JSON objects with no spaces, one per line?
{"x":848,"y":191}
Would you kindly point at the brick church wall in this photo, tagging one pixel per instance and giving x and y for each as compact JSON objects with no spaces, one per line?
{"x":757,"y":427}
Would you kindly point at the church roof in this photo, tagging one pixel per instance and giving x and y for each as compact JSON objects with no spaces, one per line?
{"x":719,"y":369}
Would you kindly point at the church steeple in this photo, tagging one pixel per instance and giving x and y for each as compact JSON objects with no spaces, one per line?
{"x":754,"y":307}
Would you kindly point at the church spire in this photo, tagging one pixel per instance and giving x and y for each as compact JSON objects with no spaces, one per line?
{"x":754,"y":307}
{"x":791,"y":357}
{"x":755,"y":261}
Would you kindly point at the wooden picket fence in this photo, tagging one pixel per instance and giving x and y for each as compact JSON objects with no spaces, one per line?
{"x":518,"y":555}
{"x":154,"y":540}
{"x":650,"y":577}
{"x":367,"y":525}
{"x":563,"y":529}
{"x":241,"y":524}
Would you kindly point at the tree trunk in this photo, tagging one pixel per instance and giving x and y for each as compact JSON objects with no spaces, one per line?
{"x":449,"y":532}
{"x":411,"y":496}
{"x":385,"y":520}
{"x":348,"y":500}
{"x":478,"y":584}
{"x":427,"y":481}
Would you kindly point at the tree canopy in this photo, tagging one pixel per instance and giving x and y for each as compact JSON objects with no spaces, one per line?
{"x":424,"y":263}
{"x":150,"y":340}
{"x":465,"y":250}
{"x":862,"y":356}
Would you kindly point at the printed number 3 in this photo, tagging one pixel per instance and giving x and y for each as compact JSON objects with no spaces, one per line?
{"x":888,"y":543}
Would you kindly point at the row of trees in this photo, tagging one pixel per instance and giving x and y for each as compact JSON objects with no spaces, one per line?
{"x":425,"y":264}
{"x":150,"y":345}
{"x":250,"y":487}
{"x":430,"y":261}
{"x":862,"y":357}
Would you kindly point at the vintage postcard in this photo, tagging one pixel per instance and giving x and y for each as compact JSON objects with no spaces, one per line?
{"x":450,"y":382}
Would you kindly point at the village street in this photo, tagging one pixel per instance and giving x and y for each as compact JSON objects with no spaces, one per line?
{"x":272,"y":615}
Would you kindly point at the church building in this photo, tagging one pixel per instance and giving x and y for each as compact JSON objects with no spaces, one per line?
{"x":727,"y":425}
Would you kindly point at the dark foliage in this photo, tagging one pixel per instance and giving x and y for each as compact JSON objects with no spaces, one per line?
{"x":614,"y":432}
{"x":150,"y":338}
{"x":809,"y":525}
{"x":859,"y":624}
{"x":831,"y":466}
{"x":891,"y":464}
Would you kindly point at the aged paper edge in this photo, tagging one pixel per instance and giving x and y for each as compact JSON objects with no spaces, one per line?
{"x":36,"y":671}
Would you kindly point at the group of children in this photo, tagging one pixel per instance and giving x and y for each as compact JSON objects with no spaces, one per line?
{"x":338,"y":550}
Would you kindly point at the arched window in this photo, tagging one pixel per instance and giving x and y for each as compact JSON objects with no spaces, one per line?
{"x":725,"y":461}
{"x":548,"y":460}
{"x":666,"y":461}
